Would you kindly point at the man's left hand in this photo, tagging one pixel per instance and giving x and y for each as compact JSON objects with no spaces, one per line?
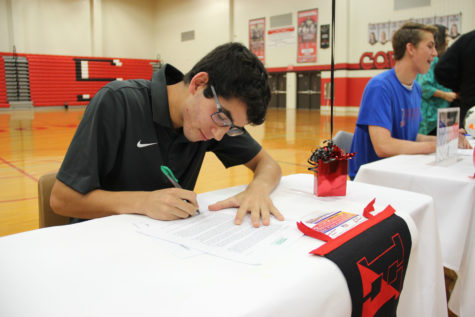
{"x":258,"y":204}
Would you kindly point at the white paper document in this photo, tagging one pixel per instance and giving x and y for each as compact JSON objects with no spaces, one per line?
{"x":215,"y":233}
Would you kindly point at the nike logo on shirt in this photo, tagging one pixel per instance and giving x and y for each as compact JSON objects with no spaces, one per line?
{"x":141,"y":145}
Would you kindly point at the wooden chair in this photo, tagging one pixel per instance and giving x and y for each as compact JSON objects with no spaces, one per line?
{"x":48,"y":217}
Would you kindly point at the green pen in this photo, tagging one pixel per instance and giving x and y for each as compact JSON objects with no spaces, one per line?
{"x":169,"y":174}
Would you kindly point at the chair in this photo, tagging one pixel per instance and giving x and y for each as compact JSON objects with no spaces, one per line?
{"x":343,"y":140}
{"x":48,"y":217}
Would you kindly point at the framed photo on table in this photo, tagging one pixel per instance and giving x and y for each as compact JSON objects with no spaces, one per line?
{"x":447,"y":135}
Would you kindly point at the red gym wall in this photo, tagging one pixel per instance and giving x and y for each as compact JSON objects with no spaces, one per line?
{"x":56,"y":80}
{"x":348,"y":91}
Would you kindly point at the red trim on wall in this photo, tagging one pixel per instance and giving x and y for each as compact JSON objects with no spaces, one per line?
{"x":56,"y":80}
{"x":348,"y":91}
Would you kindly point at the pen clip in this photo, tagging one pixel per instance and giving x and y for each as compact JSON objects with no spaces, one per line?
{"x":169,"y":174}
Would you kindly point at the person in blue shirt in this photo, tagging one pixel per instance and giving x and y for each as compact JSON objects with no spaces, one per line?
{"x":434,"y":95}
{"x":389,"y":116}
{"x":390,"y":110}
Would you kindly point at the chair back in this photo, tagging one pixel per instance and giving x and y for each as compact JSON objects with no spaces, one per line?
{"x":47,"y":216}
{"x":343,"y":140}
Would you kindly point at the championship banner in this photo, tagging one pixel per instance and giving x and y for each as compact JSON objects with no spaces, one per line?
{"x":307,"y":36}
{"x":257,"y":29}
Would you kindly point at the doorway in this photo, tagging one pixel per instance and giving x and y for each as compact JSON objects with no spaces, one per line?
{"x":308,"y":90}
{"x":278,"y":86}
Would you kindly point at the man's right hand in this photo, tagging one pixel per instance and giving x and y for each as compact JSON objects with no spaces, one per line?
{"x":163,"y":204}
{"x":170,"y":204}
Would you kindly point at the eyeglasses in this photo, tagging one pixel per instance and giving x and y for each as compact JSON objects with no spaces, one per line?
{"x":220,"y":118}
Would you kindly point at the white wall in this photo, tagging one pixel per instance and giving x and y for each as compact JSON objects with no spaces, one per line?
{"x":208,"y":18}
{"x":48,"y":27}
{"x":145,"y":28}
{"x":118,"y":28}
{"x":128,"y":28}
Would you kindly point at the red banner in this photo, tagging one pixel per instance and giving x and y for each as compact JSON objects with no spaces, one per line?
{"x":307,"y":36}
{"x":257,"y":30}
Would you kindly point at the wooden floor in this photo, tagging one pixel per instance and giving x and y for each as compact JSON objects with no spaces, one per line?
{"x":33,"y":143}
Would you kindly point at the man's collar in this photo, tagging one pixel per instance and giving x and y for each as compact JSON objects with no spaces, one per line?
{"x":160,"y":107}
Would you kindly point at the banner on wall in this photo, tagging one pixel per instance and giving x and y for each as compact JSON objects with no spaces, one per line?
{"x":257,"y":29}
{"x":325,"y":36}
{"x":307,"y":36}
{"x":383,"y":32}
{"x":281,"y":37}
{"x":454,"y":25}
{"x":373,"y":33}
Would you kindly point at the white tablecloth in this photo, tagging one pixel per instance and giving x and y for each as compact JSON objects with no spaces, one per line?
{"x":454,"y":200}
{"x":103,"y":267}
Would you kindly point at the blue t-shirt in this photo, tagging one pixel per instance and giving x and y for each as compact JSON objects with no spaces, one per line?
{"x":388,"y":104}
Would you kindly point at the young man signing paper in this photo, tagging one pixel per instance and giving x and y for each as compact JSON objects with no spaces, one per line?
{"x":131,"y":128}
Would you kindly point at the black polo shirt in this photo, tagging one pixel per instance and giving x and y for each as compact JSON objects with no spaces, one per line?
{"x":126,"y":134}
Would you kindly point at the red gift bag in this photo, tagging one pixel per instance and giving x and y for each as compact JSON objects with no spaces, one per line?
{"x":330,"y":178}
{"x":330,"y":168}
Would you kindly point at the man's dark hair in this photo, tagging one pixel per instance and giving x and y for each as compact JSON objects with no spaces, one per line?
{"x":410,"y":32}
{"x":235,"y":72}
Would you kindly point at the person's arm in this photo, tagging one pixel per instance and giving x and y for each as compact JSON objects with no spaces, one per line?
{"x":164,"y":204}
{"x":385,"y":145}
{"x":255,"y":198}
{"x":447,"y":95}
{"x":426,"y":138}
